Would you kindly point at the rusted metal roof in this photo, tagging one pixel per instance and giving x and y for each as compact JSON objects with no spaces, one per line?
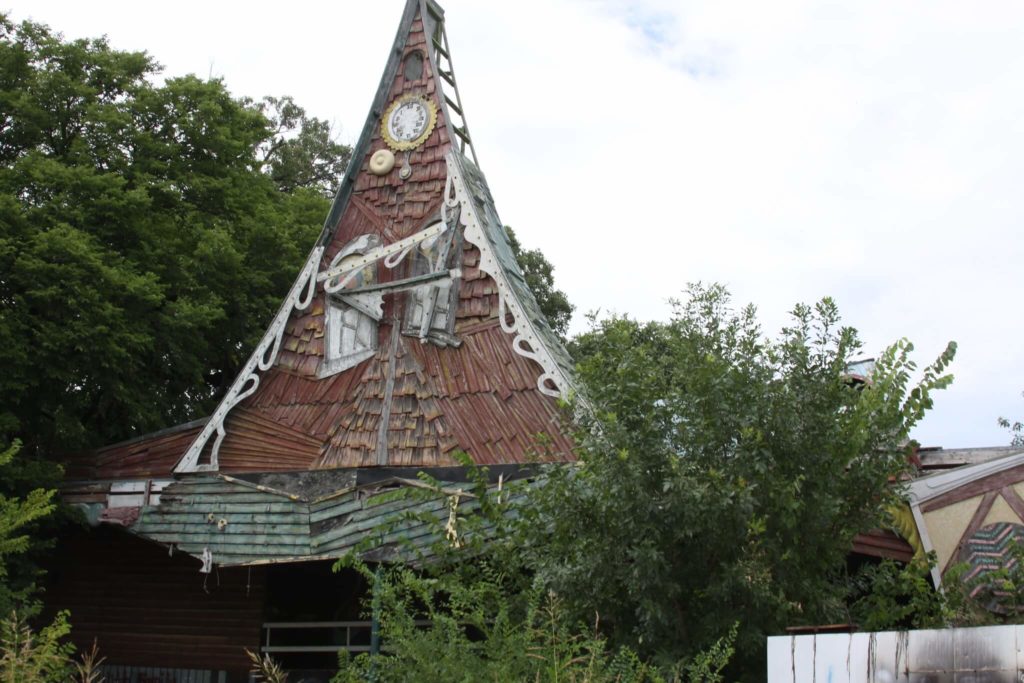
{"x":148,"y":456}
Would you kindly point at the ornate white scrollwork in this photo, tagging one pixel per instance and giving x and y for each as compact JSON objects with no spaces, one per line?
{"x":261,"y":360}
{"x":337,"y":276}
{"x":527,"y":341}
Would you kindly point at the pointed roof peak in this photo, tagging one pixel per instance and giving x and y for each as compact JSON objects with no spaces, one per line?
{"x":410,"y":332}
{"x":422,"y":22}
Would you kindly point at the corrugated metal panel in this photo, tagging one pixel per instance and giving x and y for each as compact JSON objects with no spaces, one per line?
{"x":257,"y":443}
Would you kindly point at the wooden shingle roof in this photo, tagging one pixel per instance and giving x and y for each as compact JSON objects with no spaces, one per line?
{"x":486,"y":379}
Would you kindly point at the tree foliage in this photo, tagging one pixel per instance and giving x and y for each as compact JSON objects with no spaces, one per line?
{"x":891,"y":595}
{"x":301,"y":152}
{"x":539,"y":273}
{"x":723,"y":474}
{"x":17,"y":516}
{"x":1016,"y":429}
{"x":42,"y":656}
{"x":146,"y":235}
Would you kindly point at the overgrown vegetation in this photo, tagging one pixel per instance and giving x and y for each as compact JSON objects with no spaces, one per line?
{"x":28,"y":654}
{"x":711,"y":457}
{"x":265,"y":669}
{"x":44,"y":655}
{"x":712,"y":460}
{"x":892,"y":595}
{"x":468,"y":609}
{"x":17,"y":516}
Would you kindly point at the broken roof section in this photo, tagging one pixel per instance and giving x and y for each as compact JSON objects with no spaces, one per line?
{"x":384,"y":513}
{"x":410,"y":332}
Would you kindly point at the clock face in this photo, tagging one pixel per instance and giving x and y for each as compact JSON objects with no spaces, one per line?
{"x":408,"y":122}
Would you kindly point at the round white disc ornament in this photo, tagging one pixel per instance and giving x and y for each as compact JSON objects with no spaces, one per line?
{"x":382,"y":161}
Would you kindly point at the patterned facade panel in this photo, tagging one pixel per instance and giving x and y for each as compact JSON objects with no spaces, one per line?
{"x":989,"y":553}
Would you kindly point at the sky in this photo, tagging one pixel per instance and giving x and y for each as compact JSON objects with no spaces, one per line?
{"x":868,"y":151}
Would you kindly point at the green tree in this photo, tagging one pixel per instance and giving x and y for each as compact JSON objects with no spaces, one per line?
{"x":539,"y":273}
{"x":146,"y":235}
{"x":723,"y":475}
{"x":17,"y":516}
{"x":301,"y":151}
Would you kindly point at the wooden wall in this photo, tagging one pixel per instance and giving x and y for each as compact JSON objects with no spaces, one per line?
{"x":148,"y":609}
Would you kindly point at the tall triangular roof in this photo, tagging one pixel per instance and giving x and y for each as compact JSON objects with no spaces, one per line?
{"x":410,"y":332}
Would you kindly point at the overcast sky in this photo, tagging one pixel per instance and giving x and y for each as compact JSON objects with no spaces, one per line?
{"x":868,"y":151}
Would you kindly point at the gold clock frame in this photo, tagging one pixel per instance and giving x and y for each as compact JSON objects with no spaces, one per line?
{"x":404,"y":145}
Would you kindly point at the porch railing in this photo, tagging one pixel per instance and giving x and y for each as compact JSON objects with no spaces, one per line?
{"x":280,"y":637}
{"x":120,"y":673}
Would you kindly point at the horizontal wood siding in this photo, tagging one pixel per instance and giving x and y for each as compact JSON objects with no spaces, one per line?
{"x":389,"y":518}
{"x":258,"y":525}
{"x":884,"y":544}
{"x":266,"y":526}
{"x":148,"y":609}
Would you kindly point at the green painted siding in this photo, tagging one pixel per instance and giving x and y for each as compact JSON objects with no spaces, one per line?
{"x":265,"y":525}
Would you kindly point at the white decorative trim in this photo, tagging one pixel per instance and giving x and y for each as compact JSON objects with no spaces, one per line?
{"x":391,"y":253}
{"x":527,"y":341}
{"x":261,"y":360}
{"x":934,"y":485}
{"x":926,"y":542}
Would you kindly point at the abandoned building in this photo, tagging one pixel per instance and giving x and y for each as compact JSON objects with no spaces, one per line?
{"x":409,"y":335}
